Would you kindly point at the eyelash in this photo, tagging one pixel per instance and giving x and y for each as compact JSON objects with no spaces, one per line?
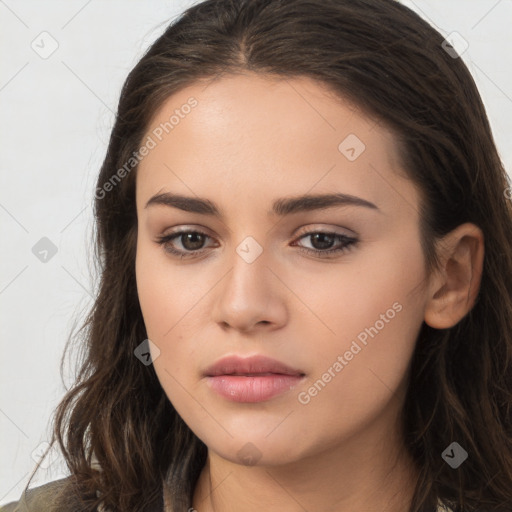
{"x":349,"y":243}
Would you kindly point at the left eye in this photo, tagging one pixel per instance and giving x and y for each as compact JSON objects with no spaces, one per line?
{"x":192,"y":243}
{"x":323,"y":242}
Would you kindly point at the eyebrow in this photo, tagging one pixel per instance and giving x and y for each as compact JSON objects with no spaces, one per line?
{"x":281,"y":207}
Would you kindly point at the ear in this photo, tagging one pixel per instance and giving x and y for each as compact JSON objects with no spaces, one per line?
{"x":455,"y":284}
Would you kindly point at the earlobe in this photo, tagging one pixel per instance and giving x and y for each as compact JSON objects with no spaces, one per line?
{"x":454,"y":286}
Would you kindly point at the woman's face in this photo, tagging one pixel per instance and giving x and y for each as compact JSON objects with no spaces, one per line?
{"x":304,"y":248}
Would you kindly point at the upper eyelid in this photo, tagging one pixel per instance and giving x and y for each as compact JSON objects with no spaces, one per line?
{"x":311,"y":227}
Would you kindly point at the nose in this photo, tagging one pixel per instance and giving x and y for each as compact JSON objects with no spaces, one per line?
{"x":250,"y":296}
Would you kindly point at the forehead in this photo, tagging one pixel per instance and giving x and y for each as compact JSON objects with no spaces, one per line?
{"x":301,"y":105}
{"x":259,"y":133}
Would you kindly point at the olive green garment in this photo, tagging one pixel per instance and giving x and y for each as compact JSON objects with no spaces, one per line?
{"x":37,"y":499}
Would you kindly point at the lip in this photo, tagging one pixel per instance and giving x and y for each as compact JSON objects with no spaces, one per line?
{"x":251,"y":379}
{"x":236,"y":365}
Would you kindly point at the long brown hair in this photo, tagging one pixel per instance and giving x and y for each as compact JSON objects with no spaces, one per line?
{"x":393,"y":65}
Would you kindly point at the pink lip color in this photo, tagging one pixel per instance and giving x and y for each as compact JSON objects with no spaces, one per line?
{"x":251,"y":379}
{"x":240,"y":388}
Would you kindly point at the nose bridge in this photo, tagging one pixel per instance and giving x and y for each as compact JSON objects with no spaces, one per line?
{"x":248,"y":278}
{"x":250,"y":293}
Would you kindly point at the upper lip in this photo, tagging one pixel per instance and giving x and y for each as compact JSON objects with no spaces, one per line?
{"x":254,"y":365}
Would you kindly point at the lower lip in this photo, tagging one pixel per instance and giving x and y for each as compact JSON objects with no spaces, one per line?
{"x":239,"y":388}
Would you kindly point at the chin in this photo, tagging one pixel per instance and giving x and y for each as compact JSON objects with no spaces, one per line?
{"x":257,"y":450}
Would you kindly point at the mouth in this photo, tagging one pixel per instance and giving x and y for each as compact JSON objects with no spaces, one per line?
{"x":253,"y":379}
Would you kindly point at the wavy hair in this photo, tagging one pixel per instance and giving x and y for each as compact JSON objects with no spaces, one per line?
{"x":389,"y":62}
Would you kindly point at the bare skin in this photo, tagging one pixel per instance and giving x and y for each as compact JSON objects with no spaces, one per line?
{"x":250,"y":141}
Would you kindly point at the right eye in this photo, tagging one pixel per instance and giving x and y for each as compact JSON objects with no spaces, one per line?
{"x":190,"y":240}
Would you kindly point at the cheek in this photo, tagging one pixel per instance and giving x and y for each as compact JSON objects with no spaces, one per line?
{"x":173,"y":305}
{"x":156,"y":297}
{"x":373,"y":309}
{"x":168,"y":295}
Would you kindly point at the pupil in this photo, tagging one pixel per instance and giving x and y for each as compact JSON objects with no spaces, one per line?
{"x":325,"y":241}
{"x":189,"y":237}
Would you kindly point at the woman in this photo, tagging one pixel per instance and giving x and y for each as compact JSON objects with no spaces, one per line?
{"x":296,"y":309}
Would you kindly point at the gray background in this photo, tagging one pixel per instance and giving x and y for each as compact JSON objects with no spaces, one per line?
{"x":57,"y":112}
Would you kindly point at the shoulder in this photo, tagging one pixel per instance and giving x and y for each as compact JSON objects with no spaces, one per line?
{"x":44,"y":499}
{"x":40,"y":499}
